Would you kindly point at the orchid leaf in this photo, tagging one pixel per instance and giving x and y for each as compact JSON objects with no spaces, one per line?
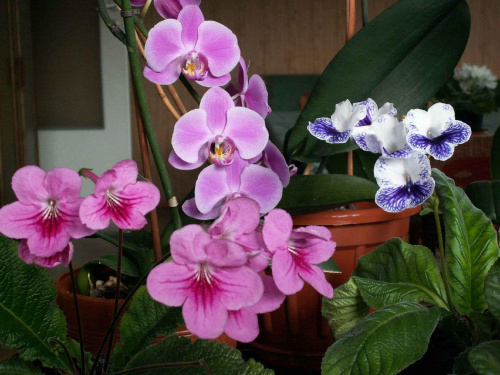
{"x":402,"y":56}
{"x":384,"y":342}
{"x":470,"y":244}
{"x":399,"y":272}
{"x":16,"y":366}
{"x":330,"y":266}
{"x":485,"y":195}
{"x":313,"y":193}
{"x":29,"y":316}
{"x":345,"y":309}
{"x":495,"y":155}
{"x":485,"y":358}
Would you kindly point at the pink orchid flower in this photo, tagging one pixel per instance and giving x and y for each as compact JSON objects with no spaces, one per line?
{"x":295,"y":253}
{"x":167,"y":8}
{"x":273,"y":159}
{"x":63,"y":257}
{"x":119,"y":197}
{"x":205,"y":51}
{"x":250,"y":93}
{"x":46,"y":214}
{"x":207,"y":278}
{"x":243,"y":325}
{"x":217,"y":130}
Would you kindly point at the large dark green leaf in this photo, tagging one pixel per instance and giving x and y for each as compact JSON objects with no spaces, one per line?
{"x":399,"y":272}
{"x":363,"y":164}
{"x":485,"y":195}
{"x":495,"y":155}
{"x":313,"y":193}
{"x":385,"y":342}
{"x":492,"y":293}
{"x":403,"y":56}
{"x":29,"y":316}
{"x":471,"y":245}
{"x":16,"y":366}
{"x":461,"y":365}
{"x":220,"y":358}
{"x":345,"y":309}
{"x":485,"y":358}
{"x":141,"y":325}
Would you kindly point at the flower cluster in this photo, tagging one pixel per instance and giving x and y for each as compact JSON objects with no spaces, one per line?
{"x":474,"y":77}
{"x":403,"y":172}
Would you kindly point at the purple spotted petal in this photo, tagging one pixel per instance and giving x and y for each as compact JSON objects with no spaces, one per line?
{"x":359,"y":137}
{"x":457,"y":133}
{"x":324,"y":129}
{"x":405,"y":152}
{"x":396,"y":199}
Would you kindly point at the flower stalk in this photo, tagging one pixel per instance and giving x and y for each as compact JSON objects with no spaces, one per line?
{"x":201,"y":362}
{"x":77,"y":312}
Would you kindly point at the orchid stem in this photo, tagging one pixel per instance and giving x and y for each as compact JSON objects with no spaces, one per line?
{"x":145,"y":9}
{"x":165,"y":365}
{"x":115,"y":30}
{"x":190,"y":89}
{"x":364,"y":10}
{"x":138,"y":22}
{"x":322,"y":165}
{"x":135,"y":67}
{"x":77,"y":313}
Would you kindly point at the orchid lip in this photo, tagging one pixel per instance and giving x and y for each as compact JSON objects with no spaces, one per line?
{"x":195,"y":66}
{"x":221,"y":151}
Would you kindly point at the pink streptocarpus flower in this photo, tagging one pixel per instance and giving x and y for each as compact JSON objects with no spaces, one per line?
{"x":119,"y":197}
{"x":204,"y":51}
{"x":46,"y":214}
{"x":167,"y":8}
{"x":217,"y":130}
{"x":295,"y":253}
{"x":63,"y":257}
{"x":250,"y":93}
{"x":207,"y":278}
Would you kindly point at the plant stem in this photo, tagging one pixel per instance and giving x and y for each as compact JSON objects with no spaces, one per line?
{"x":190,"y":89}
{"x":322,"y":165}
{"x":444,"y":268}
{"x":138,"y":23}
{"x":135,"y":67}
{"x":165,"y":365}
{"x":115,"y":30}
{"x":145,"y":9}
{"x":70,"y":360}
{"x":364,"y":10}
{"x":120,"y":311}
{"x":78,"y":321}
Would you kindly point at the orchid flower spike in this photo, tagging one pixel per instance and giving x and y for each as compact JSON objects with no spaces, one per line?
{"x":295,"y":253}
{"x":167,"y":8}
{"x":204,"y":51}
{"x":436,"y":132}
{"x":369,"y":113}
{"x":338,"y":128}
{"x":119,"y":197}
{"x":207,"y":278}
{"x":217,"y":130}
{"x":250,"y":93}
{"x":404,"y":183}
{"x":46,"y":213}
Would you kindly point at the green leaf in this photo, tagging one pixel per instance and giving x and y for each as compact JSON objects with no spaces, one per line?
{"x":141,"y":325}
{"x":345,"y":309}
{"x":402,"y":56}
{"x":363,"y":164}
{"x":16,"y":366}
{"x":312,"y":193}
{"x":485,"y":358}
{"x":471,"y":245}
{"x":399,"y":272}
{"x":75,"y":353}
{"x":492,"y":293}
{"x":461,"y":365}
{"x":330,"y":266}
{"x":495,"y":154}
{"x":425,"y":211}
{"x":127,"y":267}
{"x":485,"y":195}
{"x":29,"y":316}
{"x":220,"y":358}
{"x":385,"y":342}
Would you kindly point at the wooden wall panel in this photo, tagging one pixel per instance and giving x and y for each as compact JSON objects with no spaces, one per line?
{"x":301,"y":37}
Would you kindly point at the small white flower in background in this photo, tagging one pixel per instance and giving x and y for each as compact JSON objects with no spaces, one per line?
{"x":474,"y":77}
{"x":386,"y":136}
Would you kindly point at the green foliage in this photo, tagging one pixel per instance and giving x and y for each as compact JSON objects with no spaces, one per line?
{"x":363,"y":164}
{"x":220,"y":358}
{"x":127,"y":267}
{"x":29,"y":316}
{"x":384,"y":342}
{"x":402,"y":56}
{"x":462,"y":366}
{"x":399,"y":272}
{"x":330,"y":266}
{"x":495,"y":153}
{"x":485,"y":358}
{"x":345,"y":309}
{"x":16,"y":366}
{"x":312,"y":193}
{"x":492,"y":293}
{"x":485,"y":195}
{"x":141,"y":325}
{"x":471,"y":245}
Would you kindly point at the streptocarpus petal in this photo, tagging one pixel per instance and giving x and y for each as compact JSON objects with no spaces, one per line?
{"x":94,"y":213}
{"x":191,"y":133}
{"x":272,"y":298}
{"x":126,"y":173}
{"x":70,"y":212}
{"x":277,"y":230}
{"x":188,"y":244}
{"x":242,"y":325}
{"x":18,"y":220}
{"x":223,"y":253}
{"x":170,"y":283}
{"x":204,"y":314}
{"x":128,"y":218}
{"x":49,"y":238}
{"x":238,"y":287}
{"x":141,"y":196}
{"x":63,"y":184}
{"x":315,"y":277}
{"x":164,"y":44}
{"x":27,"y":183}
{"x":285,"y":273}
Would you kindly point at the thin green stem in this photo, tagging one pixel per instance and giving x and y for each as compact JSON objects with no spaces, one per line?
{"x":137,"y":21}
{"x":66,"y":352}
{"x":322,"y":165}
{"x":145,"y":9}
{"x":108,"y":21}
{"x":77,"y":313}
{"x":135,"y":67}
{"x":190,"y":89}
{"x":166,"y":365}
{"x":364,"y":10}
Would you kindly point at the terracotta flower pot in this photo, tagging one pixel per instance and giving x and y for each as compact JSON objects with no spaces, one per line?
{"x":296,"y":335}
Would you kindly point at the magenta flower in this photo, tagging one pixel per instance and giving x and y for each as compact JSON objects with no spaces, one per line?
{"x":250,"y":93}
{"x":63,"y":257}
{"x":167,"y":8}
{"x":119,"y":197}
{"x":273,"y":159}
{"x":205,"y":51}
{"x":217,"y":185}
{"x":46,"y":214}
{"x":243,"y":325}
{"x":295,"y":253}
{"x":207,"y":278}
{"x":217,"y":130}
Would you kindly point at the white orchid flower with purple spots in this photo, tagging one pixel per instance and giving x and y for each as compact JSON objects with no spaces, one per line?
{"x":338,"y":128}
{"x":217,"y":185}
{"x":250,"y":93}
{"x":217,"y":130}
{"x":386,"y":136}
{"x":436,"y":132}
{"x":205,"y":51}
{"x":404,"y":182}
{"x":369,"y":112}
{"x":167,"y":8}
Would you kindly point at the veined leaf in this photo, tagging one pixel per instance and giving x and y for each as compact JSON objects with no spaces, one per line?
{"x":330,"y":266}
{"x":492,"y":293}
{"x":16,"y":366}
{"x":485,"y":195}
{"x":485,"y":358}
{"x":471,"y":245}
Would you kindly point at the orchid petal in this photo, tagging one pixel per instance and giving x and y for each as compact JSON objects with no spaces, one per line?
{"x":216,"y":102}
{"x":211,"y":187}
{"x":191,"y":133}
{"x":238,"y":216}
{"x":168,"y":75}
{"x":276,"y":161}
{"x":176,"y":162}
{"x":212,"y":81}
{"x":261,"y":185}
{"x":256,"y":96}
{"x":164,"y":45}
{"x":242,"y":76}
{"x":190,"y":17}
{"x":190,"y":209}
